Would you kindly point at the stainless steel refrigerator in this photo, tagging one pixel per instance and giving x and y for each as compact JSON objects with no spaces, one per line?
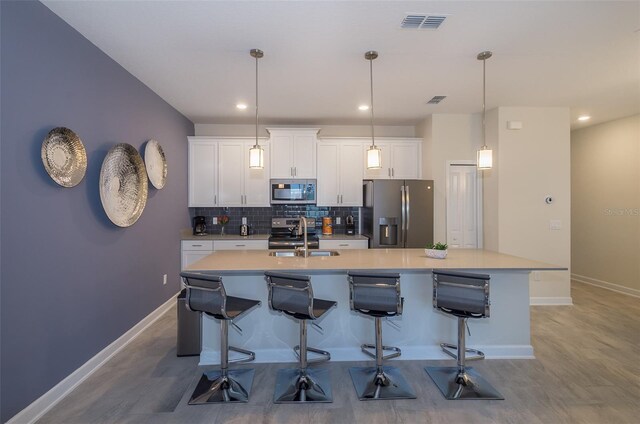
{"x":398,"y":213}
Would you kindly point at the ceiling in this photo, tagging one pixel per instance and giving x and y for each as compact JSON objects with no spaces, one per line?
{"x":584,"y":55}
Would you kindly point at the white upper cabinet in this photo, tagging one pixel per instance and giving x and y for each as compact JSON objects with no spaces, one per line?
{"x":203,"y":173}
{"x":293,"y":152}
{"x":339,"y":173}
{"x":401,"y":159}
{"x":236,"y":183}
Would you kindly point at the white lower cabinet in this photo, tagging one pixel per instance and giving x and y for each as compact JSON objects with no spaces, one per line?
{"x":194,"y":250}
{"x":344,"y":244}
{"x":241,"y":245}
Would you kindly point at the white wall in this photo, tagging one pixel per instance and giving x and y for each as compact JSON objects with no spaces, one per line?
{"x":605,"y":202}
{"x":326,"y":130}
{"x":446,"y":137}
{"x":530,"y":164}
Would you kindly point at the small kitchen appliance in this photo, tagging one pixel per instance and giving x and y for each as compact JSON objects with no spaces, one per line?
{"x":199,"y":226}
{"x":350,"y":226}
{"x":244,"y":230}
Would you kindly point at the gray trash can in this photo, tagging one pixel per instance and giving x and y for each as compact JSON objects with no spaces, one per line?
{"x":189,"y":328}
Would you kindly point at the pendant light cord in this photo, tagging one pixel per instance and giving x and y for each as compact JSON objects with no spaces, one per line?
{"x":484,"y":97}
{"x":373,"y":138}
{"x":256,"y":101}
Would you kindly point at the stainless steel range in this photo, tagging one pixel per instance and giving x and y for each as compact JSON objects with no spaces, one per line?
{"x":286,"y":233}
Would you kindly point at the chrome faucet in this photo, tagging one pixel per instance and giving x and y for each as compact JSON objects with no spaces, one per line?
{"x":305,"y":248}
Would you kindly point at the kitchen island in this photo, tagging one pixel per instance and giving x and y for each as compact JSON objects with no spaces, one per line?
{"x":506,"y":334}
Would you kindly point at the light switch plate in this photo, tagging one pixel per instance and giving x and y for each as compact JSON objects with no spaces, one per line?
{"x":214,"y":220}
{"x":338,"y":219}
{"x":555,"y":224}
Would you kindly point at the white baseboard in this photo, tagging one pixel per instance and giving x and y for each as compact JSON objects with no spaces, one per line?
{"x":44,"y":403}
{"x":606,"y":285}
{"x":550,"y":301}
{"x":432,"y":352}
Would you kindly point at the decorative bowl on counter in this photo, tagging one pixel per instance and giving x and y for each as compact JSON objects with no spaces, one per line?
{"x":436,"y":254}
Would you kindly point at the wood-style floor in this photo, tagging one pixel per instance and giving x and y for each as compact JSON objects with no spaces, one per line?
{"x":587,"y":371}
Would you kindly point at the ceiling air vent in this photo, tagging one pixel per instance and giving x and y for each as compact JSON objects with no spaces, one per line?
{"x":435,"y":100}
{"x":422,"y":21}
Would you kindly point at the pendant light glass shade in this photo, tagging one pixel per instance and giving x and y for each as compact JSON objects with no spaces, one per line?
{"x":485,"y":155}
{"x":374,"y":158}
{"x":374,"y":155}
{"x":485,"y":158}
{"x":256,"y":157}
{"x":256,"y":153}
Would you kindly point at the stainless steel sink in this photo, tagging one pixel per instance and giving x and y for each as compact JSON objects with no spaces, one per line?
{"x":293,"y":253}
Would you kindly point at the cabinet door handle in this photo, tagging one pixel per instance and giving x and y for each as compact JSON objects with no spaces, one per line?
{"x":341,"y":201}
{"x":393,"y":172}
{"x":343,"y":244}
{"x":240,"y":245}
{"x":215,"y":199}
{"x":196,"y":245}
{"x":389,"y":171}
{"x":337,"y":198}
{"x":295,"y":171}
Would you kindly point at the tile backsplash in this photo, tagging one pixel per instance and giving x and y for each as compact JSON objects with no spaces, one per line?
{"x":260,"y":218}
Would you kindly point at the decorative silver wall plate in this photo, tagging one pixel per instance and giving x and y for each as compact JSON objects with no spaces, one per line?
{"x":64,"y":157}
{"x":123,"y":185}
{"x":156,"y":164}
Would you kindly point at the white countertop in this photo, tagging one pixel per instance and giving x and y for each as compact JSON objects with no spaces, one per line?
{"x":187,"y":234}
{"x":401,"y":260}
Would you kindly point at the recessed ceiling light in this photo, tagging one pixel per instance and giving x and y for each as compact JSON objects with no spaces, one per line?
{"x":363,"y":107}
{"x":583,"y":118}
{"x":241,"y":106}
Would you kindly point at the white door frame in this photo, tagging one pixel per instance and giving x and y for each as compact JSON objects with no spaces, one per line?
{"x":479,"y":197}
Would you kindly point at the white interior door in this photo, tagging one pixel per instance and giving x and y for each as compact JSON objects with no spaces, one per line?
{"x":462,"y":206}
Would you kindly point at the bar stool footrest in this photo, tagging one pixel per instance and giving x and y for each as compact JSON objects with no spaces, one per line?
{"x":452,"y":350}
{"x":213,"y":387}
{"x":325,"y":356}
{"x":250,"y":355}
{"x":294,"y":385}
{"x":366,"y":349}
{"x":467,"y":384}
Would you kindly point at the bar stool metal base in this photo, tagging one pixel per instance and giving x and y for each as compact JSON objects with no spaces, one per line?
{"x":213,"y":387}
{"x":466,"y":385}
{"x":296,"y":386}
{"x":370,"y":384}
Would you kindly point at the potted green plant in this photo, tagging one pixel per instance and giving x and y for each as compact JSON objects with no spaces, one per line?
{"x":437,"y":251}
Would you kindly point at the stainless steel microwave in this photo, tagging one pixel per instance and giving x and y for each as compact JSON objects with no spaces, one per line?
{"x":293,"y":192}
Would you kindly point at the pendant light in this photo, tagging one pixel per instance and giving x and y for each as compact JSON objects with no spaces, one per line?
{"x":485,"y":155}
{"x":374,"y":155}
{"x":256,"y":153}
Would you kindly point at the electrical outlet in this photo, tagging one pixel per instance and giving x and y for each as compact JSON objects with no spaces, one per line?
{"x":555,"y":224}
{"x":338,"y":219}
{"x":536,"y":275}
{"x":164,"y":280}
{"x":214,"y":220}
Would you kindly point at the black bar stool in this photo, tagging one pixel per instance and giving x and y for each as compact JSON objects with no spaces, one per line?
{"x":293,"y":295}
{"x":464,"y":296}
{"x":378,"y":295}
{"x":206,"y":293}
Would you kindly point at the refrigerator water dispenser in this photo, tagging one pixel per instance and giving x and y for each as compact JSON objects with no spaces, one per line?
{"x":388,"y":231}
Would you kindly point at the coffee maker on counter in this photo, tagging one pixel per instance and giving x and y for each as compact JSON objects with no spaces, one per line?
{"x":199,"y":226}
{"x":350,"y":226}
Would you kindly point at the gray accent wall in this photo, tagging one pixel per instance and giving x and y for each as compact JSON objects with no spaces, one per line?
{"x":71,"y":281}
